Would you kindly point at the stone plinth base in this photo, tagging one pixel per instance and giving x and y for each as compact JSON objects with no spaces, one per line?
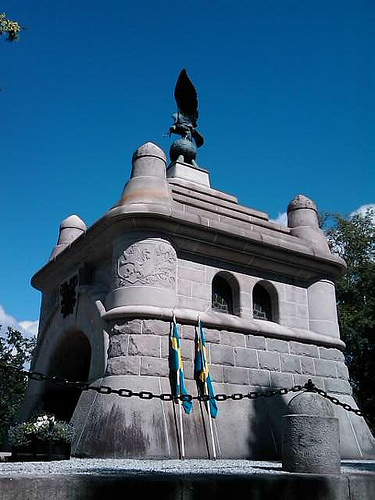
{"x":216,"y":480}
{"x":188,"y":172}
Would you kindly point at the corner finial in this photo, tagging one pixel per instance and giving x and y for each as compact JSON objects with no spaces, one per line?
{"x":185,"y":121}
{"x":70,"y":229}
{"x":304,"y":223}
{"x":148,"y":182}
{"x":301,"y":202}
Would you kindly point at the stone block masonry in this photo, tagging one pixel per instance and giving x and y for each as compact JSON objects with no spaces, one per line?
{"x":194,"y":292}
{"x":239,"y":363}
{"x":142,"y":347}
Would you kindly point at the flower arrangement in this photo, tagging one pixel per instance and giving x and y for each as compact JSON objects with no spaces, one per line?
{"x":43,"y":427}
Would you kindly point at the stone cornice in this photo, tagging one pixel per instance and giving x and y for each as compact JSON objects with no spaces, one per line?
{"x":194,"y":234}
{"x":222,"y":322}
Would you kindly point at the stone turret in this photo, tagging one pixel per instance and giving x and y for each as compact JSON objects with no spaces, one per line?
{"x":148,"y":183}
{"x":71,"y":228}
{"x":304,"y":223}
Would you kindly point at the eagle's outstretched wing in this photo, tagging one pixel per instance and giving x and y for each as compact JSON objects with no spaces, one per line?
{"x":186,"y":97}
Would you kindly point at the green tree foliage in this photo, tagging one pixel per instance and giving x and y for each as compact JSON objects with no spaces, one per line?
{"x":353,"y":239}
{"x":9,"y":29}
{"x":15,"y":350}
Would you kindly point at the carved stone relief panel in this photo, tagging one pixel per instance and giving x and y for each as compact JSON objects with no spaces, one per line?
{"x":144,"y":272}
{"x":147,"y":262}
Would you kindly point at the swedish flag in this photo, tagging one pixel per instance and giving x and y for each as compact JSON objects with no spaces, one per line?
{"x":177,"y":370}
{"x":202,"y":372}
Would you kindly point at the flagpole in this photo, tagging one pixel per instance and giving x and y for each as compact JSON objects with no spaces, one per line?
{"x":181,"y":426}
{"x":208,"y":402}
{"x":211,"y":428}
{"x":180,"y":405}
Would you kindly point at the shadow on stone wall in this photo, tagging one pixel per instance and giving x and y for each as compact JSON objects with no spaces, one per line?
{"x":265,"y":421}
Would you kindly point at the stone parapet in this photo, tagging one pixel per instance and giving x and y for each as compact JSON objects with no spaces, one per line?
{"x":259,"y":244}
{"x":253,"y":328}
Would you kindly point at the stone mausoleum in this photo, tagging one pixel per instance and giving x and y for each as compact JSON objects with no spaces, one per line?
{"x":174,"y":245}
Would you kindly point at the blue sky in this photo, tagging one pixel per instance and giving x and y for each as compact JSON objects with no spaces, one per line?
{"x":286,"y":92}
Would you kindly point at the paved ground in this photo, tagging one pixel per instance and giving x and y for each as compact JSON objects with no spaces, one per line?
{"x":185,"y":467}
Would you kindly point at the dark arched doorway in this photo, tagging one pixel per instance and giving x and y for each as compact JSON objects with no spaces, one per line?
{"x":71,"y":360}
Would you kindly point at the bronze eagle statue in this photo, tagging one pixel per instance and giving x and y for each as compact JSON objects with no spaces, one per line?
{"x":185,"y":120}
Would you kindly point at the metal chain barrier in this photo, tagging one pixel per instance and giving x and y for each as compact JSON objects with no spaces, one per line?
{"x":310,"y":386}
{"x":128,"y":393}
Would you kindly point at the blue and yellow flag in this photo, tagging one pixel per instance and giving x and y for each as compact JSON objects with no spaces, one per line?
{"x":202,"y":373}
{"x":177,"y":369}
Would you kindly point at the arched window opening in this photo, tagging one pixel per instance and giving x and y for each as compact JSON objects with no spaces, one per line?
{"x":71,"y":360}
{"x":222,"y":296}
{"x":262,"y":303}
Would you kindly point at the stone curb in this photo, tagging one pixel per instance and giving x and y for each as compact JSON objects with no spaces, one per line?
{"x":261,"y":486}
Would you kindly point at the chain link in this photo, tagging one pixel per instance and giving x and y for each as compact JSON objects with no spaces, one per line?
{"x":124,"y":393}
{"x":128,"y":393}
{"x":312,"y":388}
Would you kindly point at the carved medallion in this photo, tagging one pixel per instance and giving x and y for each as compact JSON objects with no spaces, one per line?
{"x":148,"y":262}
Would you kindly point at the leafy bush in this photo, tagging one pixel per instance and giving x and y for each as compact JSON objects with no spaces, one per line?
{"x":43,"y":427}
